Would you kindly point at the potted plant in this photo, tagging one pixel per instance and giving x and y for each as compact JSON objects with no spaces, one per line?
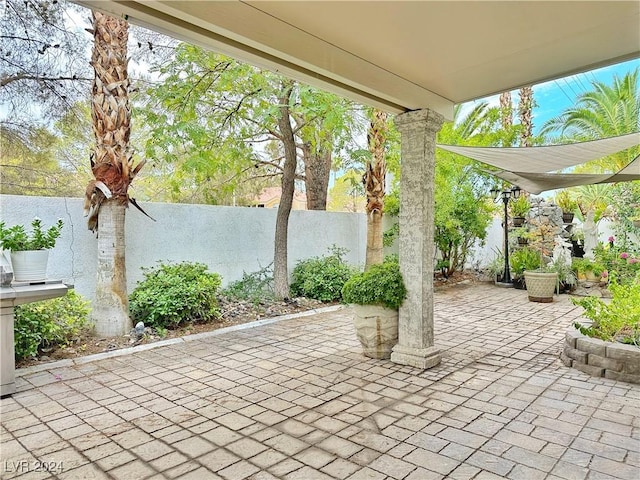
{"x":29,"y":250}
{"x":567,"y":204}
{"x":519,"y":209}
{"x":521,"y":260}
{"x":523,"y":235}
{"x":496,"y":266}
{"x":375,"y":296}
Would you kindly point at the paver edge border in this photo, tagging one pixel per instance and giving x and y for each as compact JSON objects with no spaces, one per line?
{"x":70,"y":362}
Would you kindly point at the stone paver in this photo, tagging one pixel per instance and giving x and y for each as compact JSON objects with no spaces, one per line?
{"x":295,"y":399}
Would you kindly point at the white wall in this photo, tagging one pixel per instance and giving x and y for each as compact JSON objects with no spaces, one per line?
{"x":230,"y":240}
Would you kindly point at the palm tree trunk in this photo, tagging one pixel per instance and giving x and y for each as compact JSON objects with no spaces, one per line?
{"x":506,"y":113}
{"x":525,"y":109}
{"x":111,"y":308}
{"x":280,"y":257}
{"x":111,"y":164}
{"x":374,"y":181}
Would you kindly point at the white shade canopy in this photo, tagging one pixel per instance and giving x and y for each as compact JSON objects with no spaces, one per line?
{"x":547,"y":158}
{"x":534,"y":168}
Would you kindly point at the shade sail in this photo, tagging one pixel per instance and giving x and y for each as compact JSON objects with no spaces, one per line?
{"x":547,"y":158}
{"x":537,"y":183}
{"x":533,"y":168}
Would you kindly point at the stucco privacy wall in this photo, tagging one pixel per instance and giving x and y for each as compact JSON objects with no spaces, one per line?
{"x":230,"y":240}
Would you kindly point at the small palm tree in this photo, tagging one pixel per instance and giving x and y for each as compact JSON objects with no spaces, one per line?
{"x":374,"y":182}
{"x":112,"y":165}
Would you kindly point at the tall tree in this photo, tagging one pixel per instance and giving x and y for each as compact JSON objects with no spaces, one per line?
{"x":112,"y":166}
{"x":525,"y":113}
{"x":221,"y":117}
{"x":506,"y":110}
{"x":462,"y":212}
{"x":43,"y":68}
{"x":280,"y":271}
{"x":374,"y":181}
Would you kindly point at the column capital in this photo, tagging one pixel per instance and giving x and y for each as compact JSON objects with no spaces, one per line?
{"x":430,"y":119}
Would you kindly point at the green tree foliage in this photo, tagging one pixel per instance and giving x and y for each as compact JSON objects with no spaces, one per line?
{"x":29,"y":166}
{"x":462,"y":211}
{"x":215,"y":121}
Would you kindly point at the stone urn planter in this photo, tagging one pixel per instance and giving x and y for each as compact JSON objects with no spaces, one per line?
{"x":375,"y":297}
{"x":540,"y":285}
{"x":376,"y":329}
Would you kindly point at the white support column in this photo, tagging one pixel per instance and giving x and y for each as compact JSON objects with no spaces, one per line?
{"x":415,"y":330}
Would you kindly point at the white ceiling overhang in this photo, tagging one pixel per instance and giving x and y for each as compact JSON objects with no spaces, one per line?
{"x":403,"y":55}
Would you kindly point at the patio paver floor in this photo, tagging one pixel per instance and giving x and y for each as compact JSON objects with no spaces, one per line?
{"x":296,"y":399}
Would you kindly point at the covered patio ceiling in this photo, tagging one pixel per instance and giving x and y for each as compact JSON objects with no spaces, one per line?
{"x":403,"y":55}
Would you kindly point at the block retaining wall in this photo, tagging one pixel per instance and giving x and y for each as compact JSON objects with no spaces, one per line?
{"x":598,"y":358}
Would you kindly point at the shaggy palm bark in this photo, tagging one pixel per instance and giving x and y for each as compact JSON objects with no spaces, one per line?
{"x":280,"y":270}
{"x":525,"y":109}
{"x":506,"y":117}
{"x":112,"y":166}
{"x":374,"y":183}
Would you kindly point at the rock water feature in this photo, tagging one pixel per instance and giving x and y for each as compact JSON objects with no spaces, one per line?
{"x":544,"y":223}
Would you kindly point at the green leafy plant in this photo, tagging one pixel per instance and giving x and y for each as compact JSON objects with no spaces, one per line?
{"x":380,"y":285}
{"x":48,"y":323}
{"x":254,"y":287}
{"x":322,"y":278}
{"x":520,"y":206}
{"x":496,"y":266}
{"x":175,"y":293}
{"x":524,"y":259}
{"x":616,"y":320}
{"x":17,"y":238}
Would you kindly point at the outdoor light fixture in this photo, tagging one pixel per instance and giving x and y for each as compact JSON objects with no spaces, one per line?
{"x":505,"y":196}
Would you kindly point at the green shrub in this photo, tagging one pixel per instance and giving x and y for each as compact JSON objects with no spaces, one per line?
{"x":380,"y":285}
{"x":254,"y":287}
{"x":321,"y":278}
{"x":175,"y":293}
{"x":616,"y":320}
{"x":48,"y":323}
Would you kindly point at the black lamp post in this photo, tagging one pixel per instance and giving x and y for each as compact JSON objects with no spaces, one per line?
{"x":506,"y":195}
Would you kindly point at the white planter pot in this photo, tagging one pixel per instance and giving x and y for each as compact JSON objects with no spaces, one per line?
{"x":540,"y":285}
{"x":30,"y":265}
{"x":377,"y":329}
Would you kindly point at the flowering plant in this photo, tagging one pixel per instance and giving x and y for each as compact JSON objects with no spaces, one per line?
{"x":17,"y":239}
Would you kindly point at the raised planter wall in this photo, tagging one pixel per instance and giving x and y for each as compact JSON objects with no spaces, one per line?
{"x":598,"y":358}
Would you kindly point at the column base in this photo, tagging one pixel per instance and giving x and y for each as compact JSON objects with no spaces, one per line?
{"x":416,"y":357}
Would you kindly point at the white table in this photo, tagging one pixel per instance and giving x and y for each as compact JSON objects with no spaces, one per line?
{"x":18,"y":294}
